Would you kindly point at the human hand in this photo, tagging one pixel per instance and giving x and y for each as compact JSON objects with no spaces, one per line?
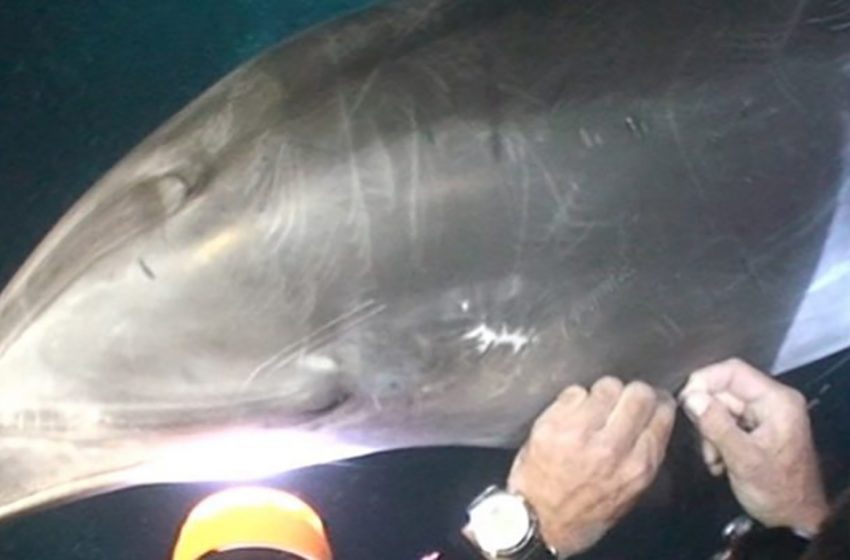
{"x":758,"y":430}
{"x":589,"y":456}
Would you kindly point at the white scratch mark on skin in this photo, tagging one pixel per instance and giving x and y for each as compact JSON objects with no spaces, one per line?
{"x":791,"y":25}
{"x":686,"y":158}
{"x":358,"y":203}
{"x":358,"y":214}
{"x":382,"y":153}
{"x":487,"y":338}
{"x":551,"y":184}
{"x":316,"y":339}
{"x":301,"y":223}
{"x":671,"y":328}
{"x":523,"y":94}
{"x":831,"y":17}
{"x":586,"y":139}
{"x":218,"y":130}
{"x":436,"y":78}
{"x":525,"y":190}
{"x":594,"y":300}
{"x":419,"y":16}
{"x":785,"y":87}
{"x":282,"y":223}
{"x":364,"y":90}
{"x":413,"y":200}
{"x":389,"y":172}
{"x":829,"y":372}
{"x":376,"y":402}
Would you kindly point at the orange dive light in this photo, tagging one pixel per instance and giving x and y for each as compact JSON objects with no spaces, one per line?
{"x":252,"y":518}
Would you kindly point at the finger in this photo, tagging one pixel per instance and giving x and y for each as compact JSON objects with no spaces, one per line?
{"x":571,"y":397}
{"x":712,"y":458}
{"x":651,"y":445}
{"x":607,"y":390}
{"x":736,"y":406}
{"x":563,"y":406}
{"x":661,"y":425}
{"x":710,"y":454}
{"x":603,"y":397}
{"x":718,"y":426}
{"x":735,"y":377}
{"x":633,"y":411}
{"x":745,"y":414}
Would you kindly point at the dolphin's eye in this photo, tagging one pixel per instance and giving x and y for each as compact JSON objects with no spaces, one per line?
{"x":172,"y":190}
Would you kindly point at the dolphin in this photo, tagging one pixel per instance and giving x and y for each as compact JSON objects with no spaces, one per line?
{"x":414,"y":225}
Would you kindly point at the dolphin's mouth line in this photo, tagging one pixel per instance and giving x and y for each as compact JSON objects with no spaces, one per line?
{"x":82,"y":420}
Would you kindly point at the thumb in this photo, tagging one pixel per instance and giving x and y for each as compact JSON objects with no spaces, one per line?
{"x":717,"y":424}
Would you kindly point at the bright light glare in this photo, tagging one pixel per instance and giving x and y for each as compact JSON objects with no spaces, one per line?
{"x":243,"y":455}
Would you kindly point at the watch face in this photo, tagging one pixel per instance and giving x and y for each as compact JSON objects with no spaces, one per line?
{"x":500,"y":523}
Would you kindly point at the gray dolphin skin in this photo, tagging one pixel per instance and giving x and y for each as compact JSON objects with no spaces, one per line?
{"x":416,"y":224}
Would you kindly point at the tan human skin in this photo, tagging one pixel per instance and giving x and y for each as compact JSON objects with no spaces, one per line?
{"x":588,"y":458}
{"x":757,"y":430}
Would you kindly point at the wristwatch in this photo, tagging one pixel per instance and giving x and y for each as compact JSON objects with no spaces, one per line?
{"x":502,"y":526}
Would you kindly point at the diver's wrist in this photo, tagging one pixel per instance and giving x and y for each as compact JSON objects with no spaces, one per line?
{"x":809,"y":523}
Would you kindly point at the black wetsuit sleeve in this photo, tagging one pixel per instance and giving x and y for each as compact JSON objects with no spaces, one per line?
{"x":455,"y":548}
{"x":770,"y":544}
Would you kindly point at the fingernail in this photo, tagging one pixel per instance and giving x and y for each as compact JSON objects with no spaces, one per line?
{"x":696,"y":404}
{"x":695,"y":384}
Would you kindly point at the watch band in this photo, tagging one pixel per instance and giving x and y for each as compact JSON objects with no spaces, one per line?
{"x":746,"y":539}
{"x":535,"y":549}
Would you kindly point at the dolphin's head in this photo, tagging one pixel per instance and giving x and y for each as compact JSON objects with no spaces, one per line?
{"x":96,"y":294}
{"x":164,"y":302}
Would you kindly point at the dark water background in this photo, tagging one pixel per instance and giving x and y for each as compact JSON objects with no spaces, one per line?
{"x":82,"y":82}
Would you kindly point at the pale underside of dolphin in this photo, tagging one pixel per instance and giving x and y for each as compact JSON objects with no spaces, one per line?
{"x":414,"y":225}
